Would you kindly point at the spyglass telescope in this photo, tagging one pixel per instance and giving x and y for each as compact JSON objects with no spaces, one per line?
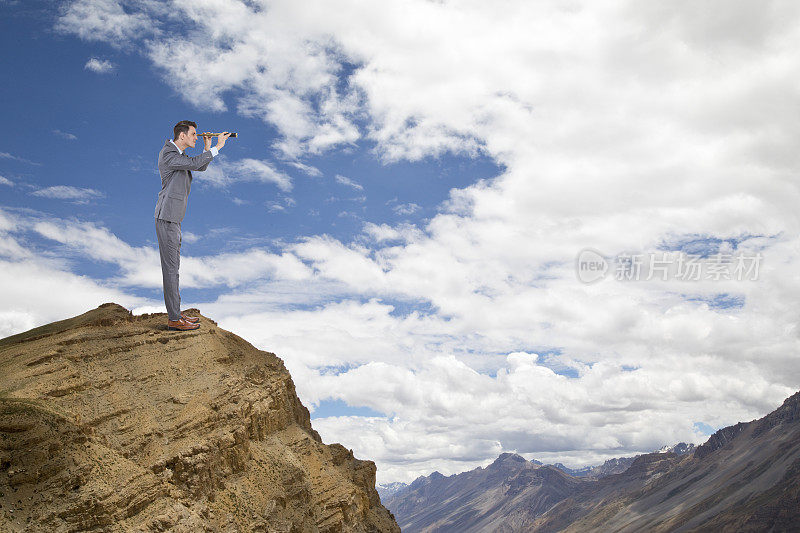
{"x":209,"y":134}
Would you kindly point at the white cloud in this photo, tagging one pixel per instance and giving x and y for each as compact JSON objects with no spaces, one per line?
{"x":65,"y":135}
{"x":7,"y":224}
{"x":37,"y":288}
{"x":140,"y":266}
{"x":13,"y":322}
{"x":287,"y":68}
{"x":406,"y":209}
{"x":10,"y":248}
{"x":254,"y":169}
{"x":309,"y":170}
{"x":6,"y":181}
{"x":384,"y":232}
{"x":189,"y":237}
{"x":6,"y":155}
{"x":344,"y":180}
{"x":68,"y":192}
{"x":223,"y":173}
{"x":34,"y":294}
{"x":104,"y":20}
{"x":100,"y":66}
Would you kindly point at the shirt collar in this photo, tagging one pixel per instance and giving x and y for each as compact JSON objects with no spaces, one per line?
{"x":176,"y":146}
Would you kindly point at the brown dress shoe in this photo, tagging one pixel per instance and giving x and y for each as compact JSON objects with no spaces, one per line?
{"x":190,"y":319}
{"x":181,"y":325}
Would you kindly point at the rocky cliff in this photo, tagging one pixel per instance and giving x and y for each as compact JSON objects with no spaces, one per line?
{"x":110,"y":422}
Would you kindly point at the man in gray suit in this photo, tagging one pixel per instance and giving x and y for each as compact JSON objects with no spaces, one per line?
{"x":176,"y":169}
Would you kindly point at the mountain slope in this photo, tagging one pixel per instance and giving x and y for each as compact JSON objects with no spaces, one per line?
{"x":744,"y":478}
{"x":390,"y":489}
{"x":109,"y":421}
{"x":504,"y":496}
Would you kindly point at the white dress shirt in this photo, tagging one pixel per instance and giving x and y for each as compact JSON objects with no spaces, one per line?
{"x":214,"y":150}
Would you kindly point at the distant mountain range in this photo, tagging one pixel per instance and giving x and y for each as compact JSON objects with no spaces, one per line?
{"x":388,"y":490}
{"x":612,"y":466}
{"x":744,"y":478}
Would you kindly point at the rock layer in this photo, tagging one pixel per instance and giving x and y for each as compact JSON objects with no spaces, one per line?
{"x":110,"y":422}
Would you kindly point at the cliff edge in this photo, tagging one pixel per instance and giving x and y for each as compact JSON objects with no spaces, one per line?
{"x":110,"y":422}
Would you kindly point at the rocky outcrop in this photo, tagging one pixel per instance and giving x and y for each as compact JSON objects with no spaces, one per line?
{"x":718,"y":440}
{"x":785,"y":415}
{"x":110,"y":422}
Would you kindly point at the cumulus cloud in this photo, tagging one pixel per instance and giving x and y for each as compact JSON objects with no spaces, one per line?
{"x":100,"y":66}
{"x":385,"y":232}
{"x":68,"y":192}
{"x":104,"y":20}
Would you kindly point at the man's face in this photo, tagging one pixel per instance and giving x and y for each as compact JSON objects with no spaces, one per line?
{"x":190,"y":138}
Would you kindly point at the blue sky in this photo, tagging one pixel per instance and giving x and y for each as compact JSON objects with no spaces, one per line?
{"x":400,"y":216}
{"x":103,"y":130}
{"x":120,"y":119}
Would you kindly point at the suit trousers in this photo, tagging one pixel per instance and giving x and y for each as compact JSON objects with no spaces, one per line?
{"x":169,"y":246}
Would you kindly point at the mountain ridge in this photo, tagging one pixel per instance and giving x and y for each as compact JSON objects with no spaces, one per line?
{"x":746,"y":477}
{"x":615,"y":465}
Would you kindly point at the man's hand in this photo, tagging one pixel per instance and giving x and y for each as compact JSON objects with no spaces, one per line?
{"x":207,"y":141}
{"x":222,"y":138}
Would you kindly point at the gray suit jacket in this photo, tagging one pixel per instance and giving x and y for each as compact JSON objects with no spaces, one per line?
{"x":176,"y":180}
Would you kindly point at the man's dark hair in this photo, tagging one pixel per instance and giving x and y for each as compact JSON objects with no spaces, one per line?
{"x":182,"y":127}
